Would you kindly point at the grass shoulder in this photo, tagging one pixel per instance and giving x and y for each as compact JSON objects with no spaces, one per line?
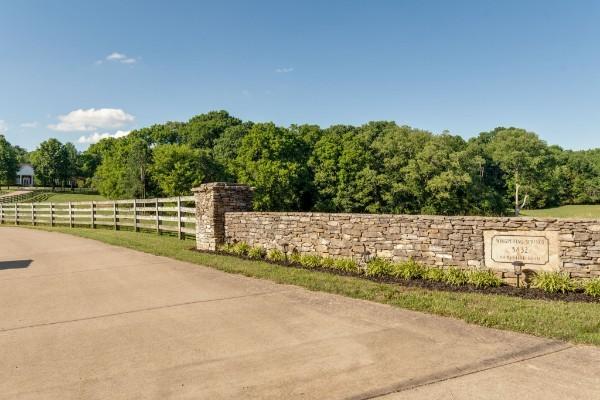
{"x":570,"y":211}
{"x":571,"y":321}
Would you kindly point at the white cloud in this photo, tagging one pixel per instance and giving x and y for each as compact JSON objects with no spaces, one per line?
{"x":96,"y":137}
{"x":118,"y":57}
{"x":32,"y":124}
{"x":3,"y":127}
{"x":115,"y":56}
{"x":284,"y":70}
{"x":92,"y":119}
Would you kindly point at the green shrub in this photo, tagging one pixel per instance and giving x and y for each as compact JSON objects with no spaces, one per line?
{"x":483,"y":279}
{"x":275,"y":255}
{"x":226,"y":248}
{"x":455,"y":276}
{"x":434,"y":274}
{"x":346,"y":265}
{"x":256,"y":253}
{"x":379,"y":267}
{"x":240,"y":248}
{"x":592,"y":287}
{"x":554,"y":282}
{"x":408,"y":270}
{"x":328,"y":262}
{"x":295,"y":257}
{"x":311,"y":261}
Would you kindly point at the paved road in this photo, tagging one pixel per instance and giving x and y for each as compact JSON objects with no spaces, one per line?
{"x":84,"y":320}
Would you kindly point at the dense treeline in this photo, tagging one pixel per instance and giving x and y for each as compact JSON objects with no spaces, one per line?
{"x":377,"y":167}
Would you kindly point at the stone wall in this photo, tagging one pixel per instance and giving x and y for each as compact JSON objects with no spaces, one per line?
{"x":433,"y":240}
{"x":213,"y":200}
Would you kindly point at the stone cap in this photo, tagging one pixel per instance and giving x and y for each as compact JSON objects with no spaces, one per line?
{"x":218,"y":185}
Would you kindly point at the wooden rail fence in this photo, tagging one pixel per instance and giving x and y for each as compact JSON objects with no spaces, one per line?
{"x":174,"y":214}
{"x":18,"y":197}
{"x":58,"y":189}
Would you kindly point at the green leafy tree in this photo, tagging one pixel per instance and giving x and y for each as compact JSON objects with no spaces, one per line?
{"x":118,"y":176}
{"x":270,"y":158}
{"x":8,"y":162}
{"x":50,"y":161}
{"x":225,"y":150}
{"x":177,"y":168}
{"x":528,"y":165}
{"x":395,"y":147}
{"x":138,"y":160}
{"x":69,"y":170}
{"x":22,"y":155}
{"x":202,"y":130}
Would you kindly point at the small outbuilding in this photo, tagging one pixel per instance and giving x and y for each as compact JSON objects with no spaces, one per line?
{"x":25,"y":175}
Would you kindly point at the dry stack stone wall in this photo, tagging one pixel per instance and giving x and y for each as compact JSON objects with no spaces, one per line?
{"x":433,"y":240}
{"x":573,"y":246}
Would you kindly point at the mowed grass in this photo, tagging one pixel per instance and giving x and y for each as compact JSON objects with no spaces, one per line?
{"x":575,"y":322}
{"x":574,"y":211}
{"x":66,"y":197}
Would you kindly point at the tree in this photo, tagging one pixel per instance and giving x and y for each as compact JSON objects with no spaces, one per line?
{"x":69,"y":171}
{"x":225,"y":150}
{"x":202,"y":130}
{"x":22,"y":154}
{"x":528,"y":166}
{"x":270,"y":158}
{"x":50,"y":160}
{"x":395,"y":147}
{"x":8,"y":162}
{"x":177,"y":168}
{"x":138,"y":159}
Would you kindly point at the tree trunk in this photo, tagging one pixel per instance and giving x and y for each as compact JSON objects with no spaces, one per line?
{"x":517,"y":208}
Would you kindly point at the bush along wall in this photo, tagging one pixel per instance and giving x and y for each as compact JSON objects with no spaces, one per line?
{"x":546,"y":285}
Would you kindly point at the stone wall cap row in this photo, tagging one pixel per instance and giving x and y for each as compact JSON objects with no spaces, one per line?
{"x":452,"y":218}
{"x":213,"y":185}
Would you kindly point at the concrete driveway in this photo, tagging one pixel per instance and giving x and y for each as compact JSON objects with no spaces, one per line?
{"x":85,"y":320}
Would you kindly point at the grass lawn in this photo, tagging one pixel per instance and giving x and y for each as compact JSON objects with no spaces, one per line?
{"x":578,"y":211}
{"x":575,"y":322}
{"x":66,"y":197}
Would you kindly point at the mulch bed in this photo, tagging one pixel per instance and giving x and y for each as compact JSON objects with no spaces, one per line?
{"x":506,"y":290}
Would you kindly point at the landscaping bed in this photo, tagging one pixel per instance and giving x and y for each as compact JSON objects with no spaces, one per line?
{"x":551,"y":286}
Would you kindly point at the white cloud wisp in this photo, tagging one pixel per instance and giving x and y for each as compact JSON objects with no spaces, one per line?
{"x":118,"y":58}
{"x":96,"y":137}
{"x":92,"y":119}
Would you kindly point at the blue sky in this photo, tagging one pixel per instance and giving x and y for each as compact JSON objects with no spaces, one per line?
{"x":462,"y":66}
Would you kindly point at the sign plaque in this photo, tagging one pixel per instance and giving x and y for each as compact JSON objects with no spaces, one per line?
{"x":538,"y":250}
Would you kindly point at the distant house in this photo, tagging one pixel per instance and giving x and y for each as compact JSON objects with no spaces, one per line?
{"x":25,"y":175}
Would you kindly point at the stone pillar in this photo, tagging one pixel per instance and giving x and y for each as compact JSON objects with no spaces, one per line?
{"x":213,"y":200}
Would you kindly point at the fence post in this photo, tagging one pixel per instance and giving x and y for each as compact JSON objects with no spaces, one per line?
{"x":93,"y":209}
{"x":1,"y":213}
{"x":16,"y":214}
{"x":32,"y":215}
{"x":70,"y":215}
{"x":115,"y":214}
{"x":179,"y":218}
{"x":51,"y":214}
{"x":135,"y":227}
{"x":157,"y":216}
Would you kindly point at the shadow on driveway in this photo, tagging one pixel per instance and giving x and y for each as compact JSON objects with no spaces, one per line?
{"x":15,"y":264}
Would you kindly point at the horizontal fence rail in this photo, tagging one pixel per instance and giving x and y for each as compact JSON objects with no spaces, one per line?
{"x":174,"y":214}
{"x":59,"y":189}
{"x":7,"y":198}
